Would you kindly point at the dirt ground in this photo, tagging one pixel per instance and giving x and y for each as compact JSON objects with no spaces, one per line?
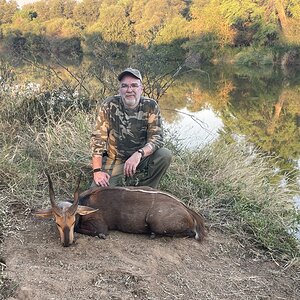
{"x":130,"y":266}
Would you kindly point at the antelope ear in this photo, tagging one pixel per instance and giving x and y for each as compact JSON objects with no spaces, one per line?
{"x":85,"y":210}
{"x":43,"y":213}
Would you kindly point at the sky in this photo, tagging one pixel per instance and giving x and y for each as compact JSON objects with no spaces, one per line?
{"x":22,"y":2}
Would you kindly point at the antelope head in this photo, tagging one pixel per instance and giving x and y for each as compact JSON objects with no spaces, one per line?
{"x":64,"y":213}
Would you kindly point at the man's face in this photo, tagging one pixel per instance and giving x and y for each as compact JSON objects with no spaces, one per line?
{"x":130,"y":90}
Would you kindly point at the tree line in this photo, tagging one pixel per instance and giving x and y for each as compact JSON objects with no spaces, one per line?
{"x":202,"y":28}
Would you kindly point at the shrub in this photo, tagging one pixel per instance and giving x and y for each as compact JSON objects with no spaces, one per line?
{"x":254,"y":57}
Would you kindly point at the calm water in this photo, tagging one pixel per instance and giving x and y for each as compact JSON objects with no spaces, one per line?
{"x":261,"y":106}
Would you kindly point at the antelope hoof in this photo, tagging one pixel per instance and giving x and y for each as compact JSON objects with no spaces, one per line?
{"x":102,"y":236}
{"x":152,"y":235}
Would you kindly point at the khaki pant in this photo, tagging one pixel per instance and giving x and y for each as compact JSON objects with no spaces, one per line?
{"x":149,"y":171}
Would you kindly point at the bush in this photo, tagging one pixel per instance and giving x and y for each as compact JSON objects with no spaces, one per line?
{"x":254,"y":57}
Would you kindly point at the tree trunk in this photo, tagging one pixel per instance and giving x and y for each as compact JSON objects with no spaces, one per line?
{"x":279,"y":6}
{"x":276,"y":115}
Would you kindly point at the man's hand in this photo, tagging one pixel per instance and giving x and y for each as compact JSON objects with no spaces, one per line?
{"x":101,"y":178}
{"x":131,"y":164}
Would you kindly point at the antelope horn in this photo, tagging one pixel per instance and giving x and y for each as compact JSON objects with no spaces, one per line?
{"x":73,"y":208}
{"x":55,"y":208}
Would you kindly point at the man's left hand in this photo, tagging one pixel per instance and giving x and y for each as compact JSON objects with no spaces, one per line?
{"x":131,"y":164}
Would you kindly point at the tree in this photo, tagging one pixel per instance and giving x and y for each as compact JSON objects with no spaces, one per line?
{"x":61,"y":8}
{"x":174,"y":29}
{"x":61,"y":27}
{"x":41,"y":8}
{"x":207,"y":19}
{"x":288,"y":12}
{"x":149,"y":17}
{"x":7,"y":10}
{"x":87,"y":11}
{"x":113,"y":24}
{"x":24,"y":21}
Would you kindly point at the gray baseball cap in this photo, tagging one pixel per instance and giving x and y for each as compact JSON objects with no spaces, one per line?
{"x":136,"y":73}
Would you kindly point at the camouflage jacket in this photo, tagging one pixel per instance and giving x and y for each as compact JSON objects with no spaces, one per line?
{"x":121,"y":131}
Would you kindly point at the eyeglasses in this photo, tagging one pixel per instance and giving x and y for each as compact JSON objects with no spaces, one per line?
{"x":127,"y":86}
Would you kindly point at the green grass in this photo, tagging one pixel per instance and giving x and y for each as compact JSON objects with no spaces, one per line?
{"x":254,"y":57}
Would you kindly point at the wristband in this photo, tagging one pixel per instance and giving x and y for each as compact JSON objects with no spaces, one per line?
{"x":141,"y":151}
{"x":97,"y":170}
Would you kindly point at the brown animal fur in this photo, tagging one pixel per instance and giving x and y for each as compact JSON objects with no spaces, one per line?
{"x":138,"y":210}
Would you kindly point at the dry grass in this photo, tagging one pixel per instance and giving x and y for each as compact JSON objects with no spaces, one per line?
{"x":233,"y":185}
{"x":238,"y":190}
{"x":7,"y":286}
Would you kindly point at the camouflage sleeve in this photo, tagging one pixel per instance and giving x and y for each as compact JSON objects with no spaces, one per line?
{"x":100,"y":133}
{"x":155,"y":131}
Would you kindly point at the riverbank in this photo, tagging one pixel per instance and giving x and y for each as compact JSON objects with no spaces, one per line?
{"x":232,"y":184}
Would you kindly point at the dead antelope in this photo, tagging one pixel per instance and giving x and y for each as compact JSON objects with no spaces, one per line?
{"x":127,"y":209}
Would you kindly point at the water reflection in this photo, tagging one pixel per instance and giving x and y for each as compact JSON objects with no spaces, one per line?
{"x":195,"y":130}
{"x":262,"y":105}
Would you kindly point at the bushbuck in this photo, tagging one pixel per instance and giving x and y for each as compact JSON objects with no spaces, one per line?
{"x":127,"y":209}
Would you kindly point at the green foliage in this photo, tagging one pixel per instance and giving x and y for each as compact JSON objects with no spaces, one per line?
{"x":40,"y":7}
{"x":212,"y":25}
{"x":24,"y":23}
{"x":254,"y":57}
{"x":203,"y":48}
{"x":293,"y":8}
{"x":113,"y":24}
{"x":249,"y":11}
{"x":87,"y":11}
{"x":207,"y":19}
{"x":174,"y":29}
{"x":153,"y":17}
{"x":266,"y":35}
{"x":7,"y":10}
{"x":61,"y":27}
{"x":61,"y":8}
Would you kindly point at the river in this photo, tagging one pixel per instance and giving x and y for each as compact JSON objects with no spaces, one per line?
{"x":259,"y":105}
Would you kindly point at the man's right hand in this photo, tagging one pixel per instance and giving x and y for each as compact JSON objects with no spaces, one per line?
{"x":101,"y":178}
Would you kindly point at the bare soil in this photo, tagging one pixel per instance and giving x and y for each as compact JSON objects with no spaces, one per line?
{"x":130,"y":266}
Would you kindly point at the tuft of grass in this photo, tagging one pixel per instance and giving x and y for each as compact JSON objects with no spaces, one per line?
{"x":7,"y":286}
{"x":60,"y":147}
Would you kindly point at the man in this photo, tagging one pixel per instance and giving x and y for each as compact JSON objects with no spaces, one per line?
{"x":127,"y":143}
